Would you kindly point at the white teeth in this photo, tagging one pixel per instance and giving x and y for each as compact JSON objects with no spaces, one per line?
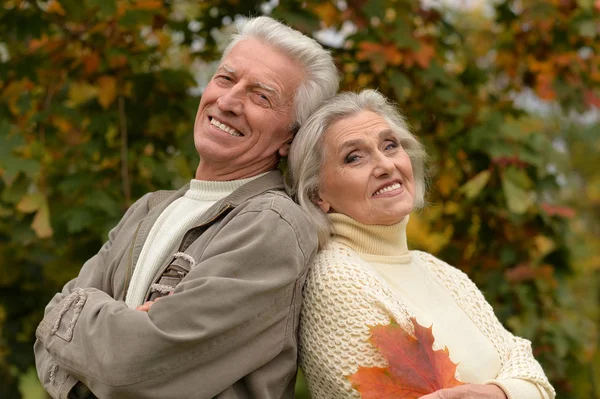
{"x":225,"y":128}
{"x":388,"y":188}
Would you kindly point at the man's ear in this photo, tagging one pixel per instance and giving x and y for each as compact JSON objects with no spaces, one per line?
{"x":284,"y":150}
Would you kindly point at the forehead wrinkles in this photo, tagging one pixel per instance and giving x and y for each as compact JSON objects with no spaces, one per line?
{"x":269,"y":83}
{"x":363,"y":132}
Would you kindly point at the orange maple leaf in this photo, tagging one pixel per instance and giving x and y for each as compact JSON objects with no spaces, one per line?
{"x":414,"y":368}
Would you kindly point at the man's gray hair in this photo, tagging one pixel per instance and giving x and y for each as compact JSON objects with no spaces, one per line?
{"x":321,"y":79}
{"x":307,"y":151}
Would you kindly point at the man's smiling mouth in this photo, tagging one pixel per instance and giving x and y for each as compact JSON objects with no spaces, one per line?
{"x":225,"y":128}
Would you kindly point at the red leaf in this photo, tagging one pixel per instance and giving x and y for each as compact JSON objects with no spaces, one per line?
{"x":563,"y":211}
{"x":591,"y":99}
{"x":414,"y":368}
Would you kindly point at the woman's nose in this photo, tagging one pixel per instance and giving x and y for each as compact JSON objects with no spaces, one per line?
{"x":382,"y":165}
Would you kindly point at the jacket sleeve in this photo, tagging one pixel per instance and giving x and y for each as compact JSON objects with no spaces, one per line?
{"x":56,"y":380}
{"x":521,"y":376}
{"x":227,"y":317}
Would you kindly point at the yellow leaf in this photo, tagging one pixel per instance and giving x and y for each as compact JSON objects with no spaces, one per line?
{"x":41,"y":222}
{"x":147,"y":4}
{"x":446,"y":182}
{"x":12,"y":93}
{"x":327,"y":12}
{"x":451,"y":208}
{"x":107,"y":91}
{"x":30,"y":203}
{"x":544,"y":245}
{"x":54,"y":7}
{"x":81,"y":92}
{"x":62,"y":124}
{"x":421,"y":236}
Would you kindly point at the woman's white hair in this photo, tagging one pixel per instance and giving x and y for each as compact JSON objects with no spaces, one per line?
{"x":306,"y":154}
{"x":321,"y":79}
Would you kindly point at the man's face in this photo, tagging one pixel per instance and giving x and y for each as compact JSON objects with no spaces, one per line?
{"x":245,"y":114}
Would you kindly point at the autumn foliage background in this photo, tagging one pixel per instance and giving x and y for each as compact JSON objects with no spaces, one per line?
{"x":98,"y":98}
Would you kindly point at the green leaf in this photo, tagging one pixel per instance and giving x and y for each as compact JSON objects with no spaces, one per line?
{"x":5,"y":212}
{"x":297,"y":17}
{"x":514,"y":184}
{"x":401,"y":84}
{"x":518,"y":176}
{"x":31,"y":203}
{"x":473,"y":187}
{"x":75,"y":9}
{"x":461,"y":110}
{"x":375,"y":8}
{"x":78,"y":219}
{"x":14,"y":165}
{"x":107,"y":7}
{"x":135,"y":18}
{"x":403,"y":35}
{"x":446,"y":95}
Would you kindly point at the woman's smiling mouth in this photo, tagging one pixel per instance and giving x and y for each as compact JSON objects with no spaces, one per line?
{"x":386,"y":189}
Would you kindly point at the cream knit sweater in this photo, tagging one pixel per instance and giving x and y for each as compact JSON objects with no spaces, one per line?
{"x":364,"y":277}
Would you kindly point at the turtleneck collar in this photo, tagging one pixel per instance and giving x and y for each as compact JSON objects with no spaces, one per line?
{"x":211,"y":190}
{"x":374,"y":243}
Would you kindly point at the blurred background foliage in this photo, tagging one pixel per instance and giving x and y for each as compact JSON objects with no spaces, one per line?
{"x":98,"y":99}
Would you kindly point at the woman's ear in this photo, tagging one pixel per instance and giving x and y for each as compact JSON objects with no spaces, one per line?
{"x":322,"y":204}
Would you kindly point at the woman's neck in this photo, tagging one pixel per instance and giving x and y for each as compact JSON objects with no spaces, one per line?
{"x":386,"y":244}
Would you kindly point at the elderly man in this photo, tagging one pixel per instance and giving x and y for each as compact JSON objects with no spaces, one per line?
{"x":227,"y":255}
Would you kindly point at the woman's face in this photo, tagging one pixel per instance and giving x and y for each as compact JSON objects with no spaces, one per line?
{"x":366,"y":174}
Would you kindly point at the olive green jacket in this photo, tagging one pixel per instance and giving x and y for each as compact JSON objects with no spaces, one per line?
{"x":228,"y":331}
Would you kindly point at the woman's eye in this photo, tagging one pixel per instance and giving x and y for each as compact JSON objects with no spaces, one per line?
{"x":351,"y":158}
{"x":390,"y":145}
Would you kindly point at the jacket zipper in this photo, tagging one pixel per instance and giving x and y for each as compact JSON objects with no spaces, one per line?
{"x":163,"y":269}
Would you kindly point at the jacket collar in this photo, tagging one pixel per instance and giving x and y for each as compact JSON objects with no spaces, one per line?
{"x":160,"y":200}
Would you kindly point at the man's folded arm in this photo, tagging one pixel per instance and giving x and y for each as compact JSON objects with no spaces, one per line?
{"x":233,"y":308}
{"x":55,"y":380}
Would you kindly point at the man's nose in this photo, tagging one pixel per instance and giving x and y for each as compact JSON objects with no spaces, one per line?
{"x":383,"y":165}
{"x":231,"y":101}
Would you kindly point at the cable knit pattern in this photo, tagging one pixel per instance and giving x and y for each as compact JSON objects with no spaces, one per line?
{"x":344,"y":296}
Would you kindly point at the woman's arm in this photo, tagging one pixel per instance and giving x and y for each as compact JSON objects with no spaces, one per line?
{"x":520,"y":376}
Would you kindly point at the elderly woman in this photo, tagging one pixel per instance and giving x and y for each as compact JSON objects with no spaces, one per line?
{"x":358,"y":172}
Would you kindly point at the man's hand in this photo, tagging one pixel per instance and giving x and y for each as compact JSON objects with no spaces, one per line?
{"x":145,"y":307}
{"x":469,"y":391}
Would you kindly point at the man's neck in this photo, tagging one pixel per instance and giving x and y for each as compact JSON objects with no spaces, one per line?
{"x":204,"y":172}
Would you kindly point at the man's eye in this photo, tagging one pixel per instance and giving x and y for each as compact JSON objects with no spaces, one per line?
{"x":262,"y":99}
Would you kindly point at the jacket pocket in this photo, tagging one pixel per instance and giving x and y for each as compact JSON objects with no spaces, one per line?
{"x":179,"y":267}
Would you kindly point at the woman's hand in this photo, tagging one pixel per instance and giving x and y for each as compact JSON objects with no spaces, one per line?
{"x":469,"y":391}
